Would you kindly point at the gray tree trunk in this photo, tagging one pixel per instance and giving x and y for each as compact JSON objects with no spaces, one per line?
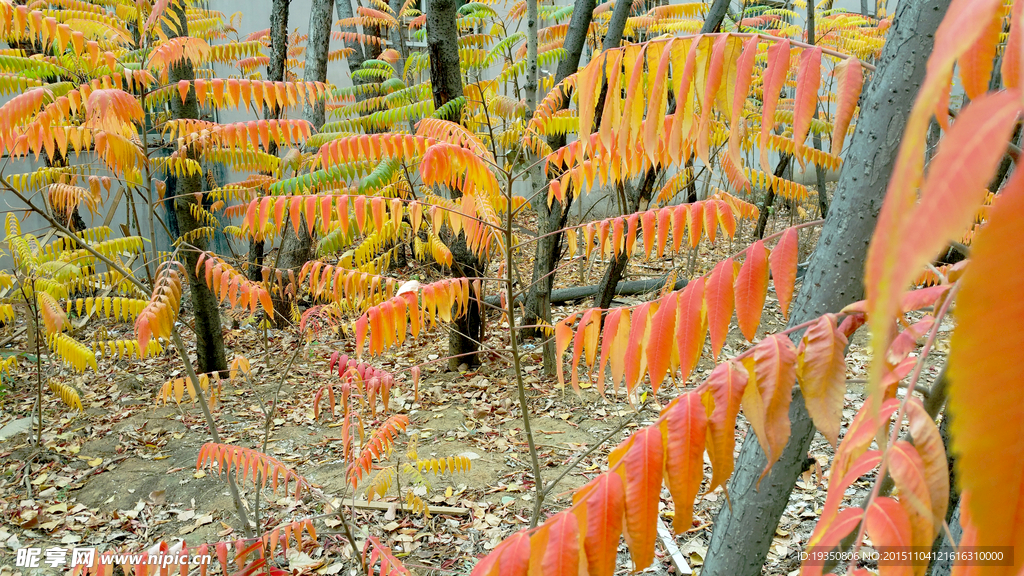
{"x":275,"y":73}
{"x":617,"y":24}
{"x":743,"y":531}
{"x":549,"y":249}
{"x":209,"y":339}
{"x":717,"y":12}
{"x":358,"y":56}
{"x":443,"y":45}
{"x":446,"y":82}
{"x":606,"y":289}
{"x":297,"y":249}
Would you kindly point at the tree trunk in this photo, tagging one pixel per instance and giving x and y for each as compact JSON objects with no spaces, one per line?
{"x":275,"y":73}
{"x":617,"y":24}
{"x":446,"y":82}
{"x":209,"y":339}
{"x":743,"y":531}
{"x":297,"y":249}
{"x":613,"y":273}
{"x":769,"y":197}
{"x":358,"y":56}
{"x":549,"y":248}
{"x":443,"y":46}
{"x":713,"y":21}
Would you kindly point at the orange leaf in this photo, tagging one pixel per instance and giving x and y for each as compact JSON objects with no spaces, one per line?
{"x":888,"y":526}
{"x":986,"y":399}
{"x":808,"y":80}
{"x":510,"y":558}
{"x":977,"y":62}
{"x":718,"y":298}
{"x":782,"y":260}
{"x":712,"y":81}
{"x":744,"y":74}
{"x":722,"y":400}
{"x":1011,"y":68}
{"x":686,"y":425}
{"x":690,"y":326}
{"x":587,"y":334}
{"x":659,"y":351}
{"x":774,"y":79}
{"x":908,"y":235}
{"x":843,"y":523}
{"x":821,"y":367}
{"x":563,"y":335}
{"x":928,"y":443}
{"x":613,"y":346}
{"x":751,"y":289}
{"x":642,"y":458}
{"x":907,"y":470}
{"x":562,"y":554}
{"x":768,"y":393}
{"x":636,"y":359}
{"x":605,"y":505}
{"x":850,"y":76}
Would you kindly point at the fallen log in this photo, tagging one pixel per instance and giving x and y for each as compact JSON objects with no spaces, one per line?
{"x":631,"y":288}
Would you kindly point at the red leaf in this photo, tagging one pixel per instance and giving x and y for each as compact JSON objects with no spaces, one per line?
{"x":562,"y":555}
{"x":752,"y":289}
{"x":686,"y":425}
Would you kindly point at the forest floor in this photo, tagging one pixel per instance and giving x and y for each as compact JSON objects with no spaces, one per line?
{"x":122,"y":473}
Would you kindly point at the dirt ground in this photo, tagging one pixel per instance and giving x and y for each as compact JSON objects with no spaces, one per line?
{"x":123,"y":473}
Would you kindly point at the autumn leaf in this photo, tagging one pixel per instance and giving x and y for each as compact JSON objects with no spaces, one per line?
{"x":722,"y":400}
{"x":751,"y":289}
{"x":986,"y":399}
{"x":889,"y":527}
{"x":686,"y":424}
{"x":718,"y":298}
{"x":821,"y":369}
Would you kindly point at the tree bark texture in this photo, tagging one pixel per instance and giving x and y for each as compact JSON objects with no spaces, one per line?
{"x":443,"y":46}
{"x":717,"y":12}
{"x":297,"y":249}
{"x":209,"y":338}
{"x":358,"y":56}
{"x":617,"y":24}
{"x":743,"y":531}
{"x":446,"y":82}
{"x":275,"y":73}
{"x":613,"y":273}
{"x":549,"y":220}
